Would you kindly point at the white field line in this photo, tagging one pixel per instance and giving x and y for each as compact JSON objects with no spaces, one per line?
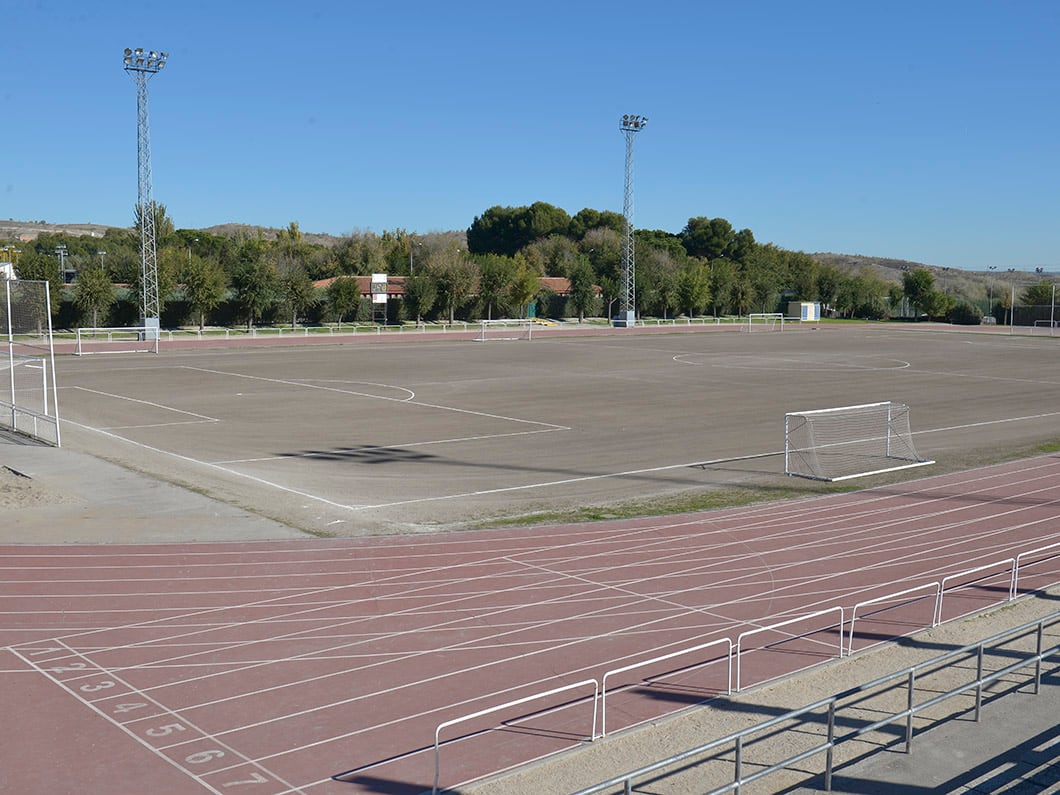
{"x":199,"y":417}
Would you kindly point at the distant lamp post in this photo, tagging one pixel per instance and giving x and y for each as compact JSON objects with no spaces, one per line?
{"x":1012,"y":303}
{"x":143,"y":66}
{"x":990,"y":289}
{"x":411,"y":248}
{"x":630,"y":126}
{"x":61,"y":252}
{"x":102,"y":254}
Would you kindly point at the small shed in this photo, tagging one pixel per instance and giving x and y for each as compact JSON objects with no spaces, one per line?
{"x":804,"y":310}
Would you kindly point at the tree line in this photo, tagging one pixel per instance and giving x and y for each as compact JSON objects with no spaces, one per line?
{"x":492,"y":270}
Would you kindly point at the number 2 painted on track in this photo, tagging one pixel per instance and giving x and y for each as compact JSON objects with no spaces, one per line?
{"x":74,"y":666}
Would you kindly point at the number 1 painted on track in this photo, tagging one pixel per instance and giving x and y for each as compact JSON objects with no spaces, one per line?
{"x":257,"y":779}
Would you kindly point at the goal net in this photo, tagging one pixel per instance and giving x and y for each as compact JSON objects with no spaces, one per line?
{"x":124,"y":339}
{"x":506,"y":329}
{"x":765,"y":321}
{"x":849,"y":442}
{"x":28,"y":394}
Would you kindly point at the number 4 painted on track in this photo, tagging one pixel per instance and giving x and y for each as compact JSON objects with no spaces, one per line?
{"x":121,"y":708}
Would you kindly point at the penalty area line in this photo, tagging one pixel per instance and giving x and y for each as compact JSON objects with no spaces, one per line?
{"x":564,"y":482}
{"x":226,"y":470}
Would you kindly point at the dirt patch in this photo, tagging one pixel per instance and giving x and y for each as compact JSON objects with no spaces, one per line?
{"x":18,"y":490}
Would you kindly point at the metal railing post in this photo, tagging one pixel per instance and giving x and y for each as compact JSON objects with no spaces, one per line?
{"x":739,"y":764}
{"x":831,"y":747}
{"x":1038,"y":662}
{"x":979,"y":682}
{"x":909,"y":716}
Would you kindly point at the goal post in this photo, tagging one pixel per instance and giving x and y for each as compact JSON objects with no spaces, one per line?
{"x":29,"y":397}
{"x":117,"y":339}
{"x":849,"y":441}
{"x":506,"y":329}
{"x":765,"y":321}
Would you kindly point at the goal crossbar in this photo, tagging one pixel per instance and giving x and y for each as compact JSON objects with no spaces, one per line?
{"x":506,"y":329}
{"x":849,"y":442}
{"x":765,"y":321}
{"x":116,"y":339}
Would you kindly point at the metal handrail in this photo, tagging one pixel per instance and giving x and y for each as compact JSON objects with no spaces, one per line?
{"x":643,"y":663}
{"x":796,"y":620}
{"x":518,"y":702}
{"x":887,"y":598}
{"x":736,"y":738}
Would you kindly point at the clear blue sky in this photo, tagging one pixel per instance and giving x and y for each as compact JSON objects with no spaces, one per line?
{"x":926,"y":131}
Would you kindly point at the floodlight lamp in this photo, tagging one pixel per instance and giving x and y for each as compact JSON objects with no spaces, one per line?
{"x":128,"y":52}
{"x":139,"y":51}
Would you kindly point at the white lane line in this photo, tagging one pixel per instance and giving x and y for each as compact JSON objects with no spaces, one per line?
{"x":234,"y":473}
{"x":990,"y":422}
{"x":200,"y":417}
{"x":471,"y":412}
{"x":42,"y":668}
{"x":876,"y":565}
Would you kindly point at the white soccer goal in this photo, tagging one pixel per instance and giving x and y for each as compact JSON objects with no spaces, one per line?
{"x":765,"y":321}
{"x":28,"y":394}
{"x":507,"y":329}
{"x":124,"y":339}
{"x":849,"y":441}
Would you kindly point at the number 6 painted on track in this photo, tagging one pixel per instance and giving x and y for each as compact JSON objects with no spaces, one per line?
{"x":202,"y":757}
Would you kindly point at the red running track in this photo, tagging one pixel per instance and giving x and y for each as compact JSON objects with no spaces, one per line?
{"x":274,"y":667}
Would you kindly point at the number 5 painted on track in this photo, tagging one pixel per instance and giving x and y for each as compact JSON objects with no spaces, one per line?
{"x":162,"y":731}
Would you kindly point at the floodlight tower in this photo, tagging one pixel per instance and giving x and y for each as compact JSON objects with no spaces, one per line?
{"x":143,"y":66}
{"x":630,"y":126}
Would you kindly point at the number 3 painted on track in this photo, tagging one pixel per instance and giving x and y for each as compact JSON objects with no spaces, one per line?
{"x":93,"y":688}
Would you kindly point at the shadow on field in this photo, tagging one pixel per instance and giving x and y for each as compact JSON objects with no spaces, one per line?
{"x":368,"y":454}
{"x":372,"y":454}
